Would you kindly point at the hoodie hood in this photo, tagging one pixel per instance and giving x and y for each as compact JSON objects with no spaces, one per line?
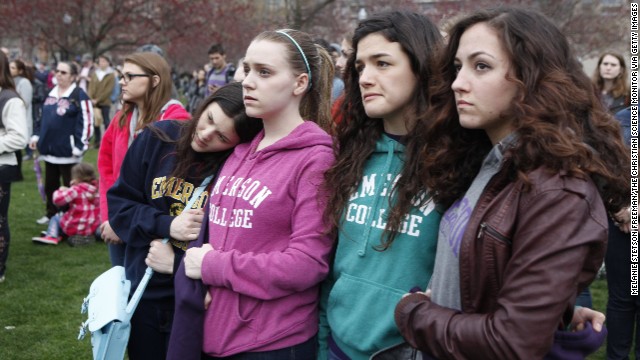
{"x":306,"y":135}
{"x":90,"y":188}
{"x":174,"y":110}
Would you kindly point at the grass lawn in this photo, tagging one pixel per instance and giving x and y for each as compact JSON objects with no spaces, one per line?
{"x":41,"y":297}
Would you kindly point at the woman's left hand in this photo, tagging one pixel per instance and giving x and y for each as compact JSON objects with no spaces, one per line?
{"x":582,"y":315}
{"x":193,"y":260}
{"x":160,"y":257}
{"x":622,"y":220}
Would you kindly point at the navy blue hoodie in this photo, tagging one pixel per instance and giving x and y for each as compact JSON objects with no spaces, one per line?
{"x":67,"y":126}
{"x":145,"y":199}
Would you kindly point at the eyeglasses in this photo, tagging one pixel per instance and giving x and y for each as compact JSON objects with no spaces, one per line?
{"x":61,"y":72}
{"x":128,"y":77}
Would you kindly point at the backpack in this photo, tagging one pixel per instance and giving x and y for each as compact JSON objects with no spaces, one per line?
{"x":231,"y":72}
{"x":39,"y":92}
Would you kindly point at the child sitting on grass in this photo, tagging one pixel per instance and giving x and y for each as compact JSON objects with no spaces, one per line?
{"x":82,"y":218}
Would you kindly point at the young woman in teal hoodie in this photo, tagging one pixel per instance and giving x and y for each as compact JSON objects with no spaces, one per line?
{"x":386,"y":245}
{"x":268,"y":248}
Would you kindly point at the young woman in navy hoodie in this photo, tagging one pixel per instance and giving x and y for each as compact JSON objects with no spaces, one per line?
{"x":159,"y":175}
{"x":268,"y":248}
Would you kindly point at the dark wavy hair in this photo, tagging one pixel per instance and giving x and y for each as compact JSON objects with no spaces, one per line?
{"x":357,"y":134}
{"x":24,"y":70}
{"x":6,"y":80}
{"x":200,"y":165}
{"x":558,"y":118}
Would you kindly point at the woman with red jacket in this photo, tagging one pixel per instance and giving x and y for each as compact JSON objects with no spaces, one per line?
{"x":146,"y":97}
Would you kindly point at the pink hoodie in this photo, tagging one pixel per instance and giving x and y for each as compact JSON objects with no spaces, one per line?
{"x":271,"y":250}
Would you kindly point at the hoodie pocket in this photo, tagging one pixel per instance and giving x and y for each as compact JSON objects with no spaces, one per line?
{"x":360,"y":313}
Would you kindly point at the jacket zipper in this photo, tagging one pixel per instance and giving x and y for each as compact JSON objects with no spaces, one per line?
{"x":493,"y":232}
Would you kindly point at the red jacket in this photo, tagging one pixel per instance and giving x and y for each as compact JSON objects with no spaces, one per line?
{"x":83,"y":217}
{"x":114,"y":146}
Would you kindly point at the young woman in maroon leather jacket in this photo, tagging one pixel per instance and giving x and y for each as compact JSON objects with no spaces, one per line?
{"x":528,"y":163}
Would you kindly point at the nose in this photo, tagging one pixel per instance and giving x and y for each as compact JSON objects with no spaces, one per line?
{"x":207,"y":132}
{"x":341,"y":63}
{"x":366,"y":78}
{"x":460,"y":84}
{"x":247,"y":82}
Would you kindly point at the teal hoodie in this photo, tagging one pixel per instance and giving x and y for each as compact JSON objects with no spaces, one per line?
{"x":365,"y":284}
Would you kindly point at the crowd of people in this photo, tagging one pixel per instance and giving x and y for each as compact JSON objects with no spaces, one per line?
{"x":410,"y":188}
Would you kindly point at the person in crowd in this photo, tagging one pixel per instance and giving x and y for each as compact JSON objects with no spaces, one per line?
{"x":527,"y":161}
{"x":115,"y":94}
{"x":81,"y":217}
{"x":337,"y":87}
{"x":101,"y":85}
{"x":197,"y":90}
{"x":13,"y":137}
{"x":84,"y":78}
{"x":267,"y":248}
{"x":611,"y":81}
{"x":39,"y":96}
{"x":346,"y":50}
{"x":221,"y":71}
{"x":23,"y":79}
{"x":170,"y":157}
{"x":64,"y":133}
{"x":146,"y":96}
{"x":623,"y":308}
{"x":238,"y":76}
{"x":386,"y":244}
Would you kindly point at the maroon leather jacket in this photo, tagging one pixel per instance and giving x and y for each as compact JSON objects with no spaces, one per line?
{"x":524,"y":257}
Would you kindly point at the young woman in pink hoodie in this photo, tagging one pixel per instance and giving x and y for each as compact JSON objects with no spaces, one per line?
{"x":267,"y":246}
{"x":146,"y":97}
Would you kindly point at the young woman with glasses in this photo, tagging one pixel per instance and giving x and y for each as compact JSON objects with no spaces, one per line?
{"x":146,"y":97}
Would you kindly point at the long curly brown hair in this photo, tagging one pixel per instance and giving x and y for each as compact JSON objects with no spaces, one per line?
{"x":558,"y":118}
{"x":357,"y":134}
